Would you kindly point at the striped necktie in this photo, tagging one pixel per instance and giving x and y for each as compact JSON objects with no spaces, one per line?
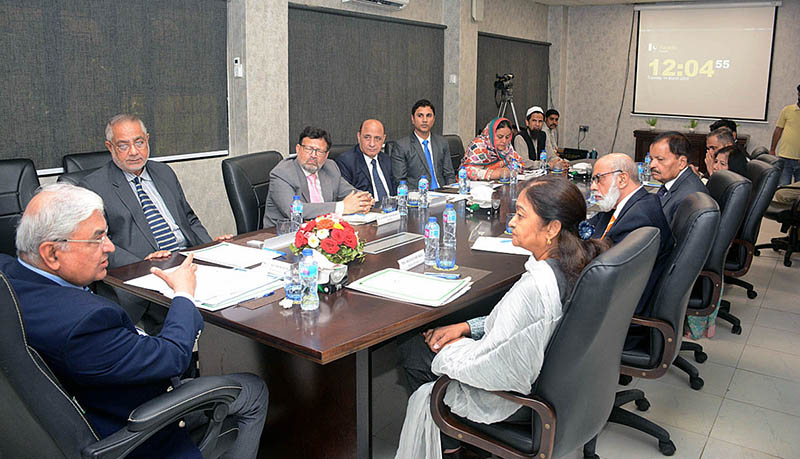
{"x":161,"y":232}
{"x":610,"y":224}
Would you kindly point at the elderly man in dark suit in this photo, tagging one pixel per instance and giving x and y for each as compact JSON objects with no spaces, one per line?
{"x":625,"y":206}
{"x":423,"y":152}
{"x":316,"y":179}
{"x":669,"y":164}
{"x":91,"y":344}
{"x":366,"y":167}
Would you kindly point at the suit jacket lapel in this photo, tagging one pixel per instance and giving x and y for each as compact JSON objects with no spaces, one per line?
{"x":362,"y":168}
{"x":415,"y":145}
{"x":325,"y":178}
{"x":674,"y":187}
{"x":131,"y":202}
{"x":636,"y":196}
{"x":301,"y":179}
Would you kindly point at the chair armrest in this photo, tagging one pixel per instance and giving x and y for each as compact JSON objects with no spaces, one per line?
{"x":453,"y":427}
{"x":670,"y":338}
{"x":214,"y":393}
{"x":716,"y":279}
{"x":750,"y":248}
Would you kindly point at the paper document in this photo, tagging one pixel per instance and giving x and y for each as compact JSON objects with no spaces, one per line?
{"x":499,"y":245}
{"x":233,"y":255}
{"x":361,"y":219}
{"x":412,"y":287}
{"x":217,"y":288}
{"x":448,"y":197}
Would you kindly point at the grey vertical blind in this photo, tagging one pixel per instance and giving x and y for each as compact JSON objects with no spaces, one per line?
{"x":67,"y":66}
{"x":529,"y":61}
{"x":346,"y":67}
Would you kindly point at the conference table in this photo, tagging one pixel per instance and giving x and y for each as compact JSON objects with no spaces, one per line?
{"x":317,"y":363}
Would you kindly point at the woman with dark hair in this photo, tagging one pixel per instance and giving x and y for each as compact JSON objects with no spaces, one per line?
{"x":489,"y":154}
{"x":504,"y":350}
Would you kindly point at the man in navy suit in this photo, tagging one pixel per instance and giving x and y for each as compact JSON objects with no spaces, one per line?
{"x":625,"y":206}
{"x":366,"y":167}
{"x":669,"y":164}
{"x":90,"y":343}
{"x":423,"y":152}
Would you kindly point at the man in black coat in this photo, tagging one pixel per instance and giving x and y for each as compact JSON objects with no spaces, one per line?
{"x":366,"y":167}
{"x":669,"y":164}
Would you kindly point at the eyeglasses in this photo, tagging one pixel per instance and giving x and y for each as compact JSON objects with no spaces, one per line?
{"x":100,"y":241}
{"x":596,"y":178}
{"x":314,"y":151}
{"x":125,"y":146}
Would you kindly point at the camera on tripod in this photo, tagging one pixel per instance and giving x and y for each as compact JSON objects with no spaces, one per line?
{"x":503,"y":82}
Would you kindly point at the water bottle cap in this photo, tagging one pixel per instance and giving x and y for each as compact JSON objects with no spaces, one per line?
{"x":449,"y":205}
{"x":431,"y":219}
{"x":308,"y":252}
{"x":297,"y":196}
{"x":423,"y":177}
{"x":402,"y":182}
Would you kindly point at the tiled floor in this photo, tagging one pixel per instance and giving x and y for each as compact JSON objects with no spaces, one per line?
{"x":748,"y":408}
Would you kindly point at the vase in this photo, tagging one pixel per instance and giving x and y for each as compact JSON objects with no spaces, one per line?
{"x":652,"y":128}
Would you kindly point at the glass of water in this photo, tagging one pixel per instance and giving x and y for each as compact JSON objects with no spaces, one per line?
{"x":389,"y":204}
{"x":292,"y":284}
{"x":283,"y":226}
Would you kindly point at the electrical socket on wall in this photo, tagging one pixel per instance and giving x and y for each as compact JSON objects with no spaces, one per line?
{"x":583,"y":128}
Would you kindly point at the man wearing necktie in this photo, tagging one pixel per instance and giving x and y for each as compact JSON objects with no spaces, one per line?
{"x":625,"y":206}
{"x":423,"y":152}
{"x":366,"y":167}
{"x":669,"y":164}
{"x":316,"y":179}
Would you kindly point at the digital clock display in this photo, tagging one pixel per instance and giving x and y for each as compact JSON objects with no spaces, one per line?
{"x":691,"y":68}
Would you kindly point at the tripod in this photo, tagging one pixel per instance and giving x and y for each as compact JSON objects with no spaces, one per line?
{"x":506,"y":100}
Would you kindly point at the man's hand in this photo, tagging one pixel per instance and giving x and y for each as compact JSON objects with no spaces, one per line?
{"x":358,"y":202}
{"x":182,"y":279}
{"x":709,"y":160}
{"x":440,"y":337}
{"x":224,"y":237}
{"x":158,"y":255}
{"x":555,"y":162}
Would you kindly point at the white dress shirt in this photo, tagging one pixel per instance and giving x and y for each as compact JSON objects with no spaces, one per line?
{"x":380,"y":174}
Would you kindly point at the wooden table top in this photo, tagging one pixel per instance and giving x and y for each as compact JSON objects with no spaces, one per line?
{"x":348,"y":321}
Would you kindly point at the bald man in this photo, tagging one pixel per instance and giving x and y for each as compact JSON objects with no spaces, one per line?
{"x":366,"y":166}
{"x":625,"y":206}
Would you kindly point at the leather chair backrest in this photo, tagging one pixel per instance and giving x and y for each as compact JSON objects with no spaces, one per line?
{"x":767,"y":158}
{"x":456,"y":150}
{"x":338,"y":149}
{"x":732,"y":192}
{"x":74,"y":178}
{"x":39,"y":418}
{"x":18,"y":182}
{"x":694,"y":226}
{"x":764,"y":178}
{"x":85,"y":161}
{"x":755,"y":154}
{"x":246,"y":180}
{"x":581,"y":364}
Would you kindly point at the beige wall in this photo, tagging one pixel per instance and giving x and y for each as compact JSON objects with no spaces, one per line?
{"x":594,"y":41}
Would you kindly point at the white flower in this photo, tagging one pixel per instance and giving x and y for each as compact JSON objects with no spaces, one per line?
{"x":323,"y":234}
{"x":313,"y":241}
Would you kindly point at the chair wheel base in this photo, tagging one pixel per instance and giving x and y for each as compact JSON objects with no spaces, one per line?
{"x":752,"y":294}
{"x":757,"y":253}
{"x":667,"y":448}
{"x":700,"y":356}
{"x":696,"y":383}
{"x":590,"y":456}
{"x":787,"y":263}
{"x":736,"y":330}
{"x":642,"y":404}
{"x":624,"y":380}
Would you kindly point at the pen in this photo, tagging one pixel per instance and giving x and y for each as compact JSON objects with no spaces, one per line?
{"x":444,"y":275}
{"x":283,"y":254}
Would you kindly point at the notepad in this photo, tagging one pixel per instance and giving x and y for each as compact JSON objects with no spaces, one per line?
{"x":233,"y":255}
{"x":499,"y":245}
{"x":412,"y":287}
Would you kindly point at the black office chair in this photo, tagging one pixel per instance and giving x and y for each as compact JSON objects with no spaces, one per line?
{"x":42,"y":420}
{"x":246,"y":180}
{"x":695,"y":223}
{"x":758,"y":152}
{"x":18,"y":182}
{"x":765,"y":181}
{"x":573,"y":394}
{"x":338,"y":149}
{"x":456,"y":150}
{"x":79,"y":165}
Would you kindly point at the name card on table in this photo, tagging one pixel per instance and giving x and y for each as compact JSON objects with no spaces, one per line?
{"x":388,"y":218}
{"x":274,"y":268}
{"x":415,"y":259}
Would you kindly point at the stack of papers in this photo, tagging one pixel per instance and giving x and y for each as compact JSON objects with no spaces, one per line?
{"x":361,"y":219}
{"x":499,"y":245}
{"x":412,"y":287}
{"x":217,"y":288}
{"x":233,"y":255}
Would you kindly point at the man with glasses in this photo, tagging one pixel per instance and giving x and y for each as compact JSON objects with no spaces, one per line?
{"x":366,"y":166}
{"x":88,"y":341}
{"x":147,"y":213}
{"x":625,"y":206}
{"x":315,"y":179}
{"x":669,"y":164}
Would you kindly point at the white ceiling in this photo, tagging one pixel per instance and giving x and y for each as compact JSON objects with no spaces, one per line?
{"x":598,"y":2}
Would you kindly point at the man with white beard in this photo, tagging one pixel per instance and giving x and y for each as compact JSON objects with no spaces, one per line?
{"x":625,"y":206}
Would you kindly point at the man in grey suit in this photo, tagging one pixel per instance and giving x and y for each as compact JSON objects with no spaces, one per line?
{"x":423,"y":152}
{"x":669,"y":164}
{"x":147,"y":213}
{"x":315,"y":179}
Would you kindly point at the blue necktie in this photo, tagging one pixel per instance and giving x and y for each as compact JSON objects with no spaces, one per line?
{"x":163,"y":235}
{"x":662,"y":192}
{"x":376,"y":179}
{"x":429,"y":157}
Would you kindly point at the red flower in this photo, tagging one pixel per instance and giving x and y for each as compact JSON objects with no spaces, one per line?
{"x":299,"y":239}
{"x":329,"y":246}
{"x":351,"y":240}
{"x":325,"y":224}
{"x":346,"y":225}
{"x":309,"y":225}
{"x":338,"y":235}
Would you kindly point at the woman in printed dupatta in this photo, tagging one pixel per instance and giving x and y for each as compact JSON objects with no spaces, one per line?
{"x":491,"y":153}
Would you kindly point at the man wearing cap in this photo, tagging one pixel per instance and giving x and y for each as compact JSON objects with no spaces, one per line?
{"x":531,"y":140}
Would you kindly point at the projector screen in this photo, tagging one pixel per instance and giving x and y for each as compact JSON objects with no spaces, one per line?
{"x":704,"y":61}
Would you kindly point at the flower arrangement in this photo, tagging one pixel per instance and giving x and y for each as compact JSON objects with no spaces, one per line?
{"x":332,"y":237}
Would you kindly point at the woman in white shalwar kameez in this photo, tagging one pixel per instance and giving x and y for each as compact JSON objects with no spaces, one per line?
{"x":505,"y":350}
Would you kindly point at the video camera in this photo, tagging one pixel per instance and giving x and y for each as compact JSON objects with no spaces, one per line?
{"x":503,"y":82}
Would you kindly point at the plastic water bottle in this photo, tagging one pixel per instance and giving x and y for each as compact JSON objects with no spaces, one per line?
{"x":296,"y":213}
{"x":423,"y":192}
{"x":592,"y":154}
{"x":641,"y":171}
{"x":543,"y":160}
{"x":431,"y":242}
{"x":514,"y":172}
{"x":402,"y":198}
{"x":308,"y":277}
{"x":447,"y":252}
{"x":647,"y":166}
{"x":463,"y":185}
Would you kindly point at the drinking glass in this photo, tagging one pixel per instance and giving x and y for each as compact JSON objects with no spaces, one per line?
{"x":505,"y":176}
{"x":389,"y":204}
{"x":283,"y":226}
{"x":509,"y":217}
{"x":413,"y":197}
